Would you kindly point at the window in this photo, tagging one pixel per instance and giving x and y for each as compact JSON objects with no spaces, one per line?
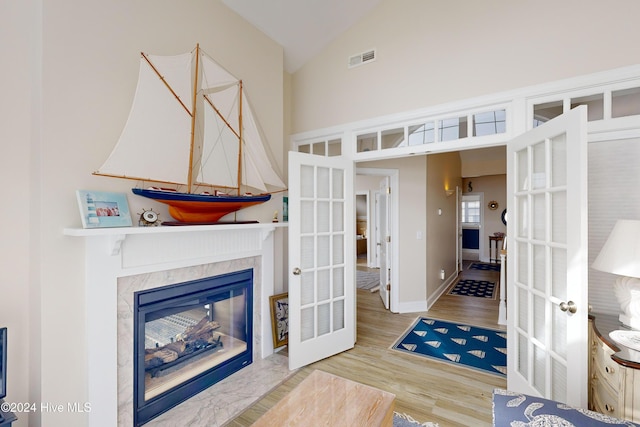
{"x":489,"y":123}
{"x":471,"y":211}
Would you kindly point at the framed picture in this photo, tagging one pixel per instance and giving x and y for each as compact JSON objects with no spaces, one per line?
{"x":102,"y":209}
{"x":280,"y":319}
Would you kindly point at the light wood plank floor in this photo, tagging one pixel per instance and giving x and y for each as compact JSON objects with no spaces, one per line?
{"x":425,"y":389}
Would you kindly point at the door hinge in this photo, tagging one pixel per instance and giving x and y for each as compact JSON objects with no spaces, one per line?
{"x":388,"y":239}
{"x":388,"y":190}
{"x":388,"y":287}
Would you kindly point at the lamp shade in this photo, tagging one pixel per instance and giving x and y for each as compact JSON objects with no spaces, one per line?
{"x":621,"y":252}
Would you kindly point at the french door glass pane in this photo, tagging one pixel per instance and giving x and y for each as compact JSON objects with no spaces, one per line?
{"x":338,"y":315}
{"x":323,"y":252}
{"x":559,"y":387}
{"x":522,"y":170}
{"x":323,"y":187}
{"x":324,"y":285}
{"x":559,"y":273}
{"x":307,"y":324}
{"x":523,"y":356}
{"x":307,"y":183}
{"x":559,"y":332}
{"x":539,"y":166}
{"x":523,"y":309}
{"x":338,"y":282}
{"x":559,"y":161}
{"x":338,"y":249}
{"x":539,"y":323}
{"x":324,"y":319}
{"x":337,"y":184}
{"x":307,"y":252}
{"x":307,"y":213}
{"x":523,"y":264}
{"x":338,"y":216}
{"x":323,"y":216}
{"x":539,"y":216}
{"x":539,"y":267}
{"x":539,"y":369}
{"x":307,"y":288}
{"x":559,"y":218}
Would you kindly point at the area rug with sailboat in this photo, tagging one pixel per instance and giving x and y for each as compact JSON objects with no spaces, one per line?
{"x":467,"y":346}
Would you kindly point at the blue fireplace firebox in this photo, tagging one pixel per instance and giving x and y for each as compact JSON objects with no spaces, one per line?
{"x":187,"y":337}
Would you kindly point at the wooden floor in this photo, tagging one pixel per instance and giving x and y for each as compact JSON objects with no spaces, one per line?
{"x":425,"y":389}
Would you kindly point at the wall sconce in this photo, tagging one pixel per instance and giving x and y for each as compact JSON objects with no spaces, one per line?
{"x":449,"y":192}
{"x":620,"y":255}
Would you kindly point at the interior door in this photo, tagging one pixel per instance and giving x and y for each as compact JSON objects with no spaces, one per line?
{"x":384,"y":240}
{"x":459,"y":228}
{"x":322,"y":257}
{"x":547,"y":261}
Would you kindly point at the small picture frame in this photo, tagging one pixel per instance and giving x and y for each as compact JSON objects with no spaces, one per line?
{"x":100,"y":209}
{"x":280,"y":319}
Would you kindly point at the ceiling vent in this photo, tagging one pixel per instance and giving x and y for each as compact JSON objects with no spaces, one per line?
{"x":362,"y":58}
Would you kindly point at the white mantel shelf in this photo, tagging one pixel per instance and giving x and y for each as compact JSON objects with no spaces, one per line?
{"x":113,"y":253}
{"x":84,"y":232}
{"x":117,"y":235}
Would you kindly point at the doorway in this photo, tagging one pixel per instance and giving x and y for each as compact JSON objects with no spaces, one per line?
{"x":376,"y":223}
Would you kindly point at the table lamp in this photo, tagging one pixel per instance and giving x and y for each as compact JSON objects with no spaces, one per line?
{"x":620,"y":255}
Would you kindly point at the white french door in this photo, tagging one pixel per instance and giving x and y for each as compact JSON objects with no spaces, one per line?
{"x":547,"y":260}
{"x":321,"y":257}
{"x":383,"y":243}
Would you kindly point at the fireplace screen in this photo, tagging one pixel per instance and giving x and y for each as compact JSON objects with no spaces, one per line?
{"x":188,"y":337}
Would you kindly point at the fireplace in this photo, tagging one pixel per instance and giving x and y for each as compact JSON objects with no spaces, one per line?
{"x":122,"y":261}
{"x":187,"y":337}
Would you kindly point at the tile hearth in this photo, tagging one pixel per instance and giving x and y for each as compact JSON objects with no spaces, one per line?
{"x":225,"y":400}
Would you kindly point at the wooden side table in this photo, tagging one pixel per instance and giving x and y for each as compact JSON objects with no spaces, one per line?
{"x":614,"y":372}
{"x":495,"y":240}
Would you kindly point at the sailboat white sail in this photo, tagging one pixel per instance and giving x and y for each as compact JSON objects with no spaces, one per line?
{"x":191,"y":125}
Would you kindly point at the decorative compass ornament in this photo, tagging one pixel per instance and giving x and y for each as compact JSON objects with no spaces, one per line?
{"x":149,"y":218}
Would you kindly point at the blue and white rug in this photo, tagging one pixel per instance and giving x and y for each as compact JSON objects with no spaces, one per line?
{"x":474,"y":288}
{"x":470,"y":346}
{"x":485,"y":266}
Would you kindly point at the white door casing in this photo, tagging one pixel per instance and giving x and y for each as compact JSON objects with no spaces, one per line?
{"x":321,"y":257}
{"x":547,"y":260}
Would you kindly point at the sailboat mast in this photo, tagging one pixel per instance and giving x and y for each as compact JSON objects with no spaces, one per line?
{"x":240,"y":131}
{"x":193,"y":119}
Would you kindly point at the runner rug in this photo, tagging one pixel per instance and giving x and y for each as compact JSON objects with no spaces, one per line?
{"x":484,"y":266}
{"x":367,"y":279}
{"x":463,"y":345}
{"x":474,"y":288}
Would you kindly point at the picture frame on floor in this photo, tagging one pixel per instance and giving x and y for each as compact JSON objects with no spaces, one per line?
{"x":279,"y":305}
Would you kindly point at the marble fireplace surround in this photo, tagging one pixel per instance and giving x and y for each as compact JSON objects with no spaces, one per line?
{"x":119,"y":261}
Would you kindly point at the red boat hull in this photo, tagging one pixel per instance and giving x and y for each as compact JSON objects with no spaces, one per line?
{"x":201,"y":208}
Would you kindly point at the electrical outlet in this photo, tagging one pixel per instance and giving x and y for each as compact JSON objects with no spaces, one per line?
{"x":442,"y":274}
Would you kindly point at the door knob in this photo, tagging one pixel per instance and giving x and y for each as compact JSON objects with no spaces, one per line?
{"x":297,"y":271}
{"x":568,"y":306}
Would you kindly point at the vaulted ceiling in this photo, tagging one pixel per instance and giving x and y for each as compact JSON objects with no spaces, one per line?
{"x":302,"y":27}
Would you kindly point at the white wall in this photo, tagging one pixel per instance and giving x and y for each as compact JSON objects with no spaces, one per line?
{"x":432,"y":52}
{"x":60,"y":128}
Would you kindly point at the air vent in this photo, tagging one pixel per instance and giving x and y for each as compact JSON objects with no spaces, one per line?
{"x":362,"y":58}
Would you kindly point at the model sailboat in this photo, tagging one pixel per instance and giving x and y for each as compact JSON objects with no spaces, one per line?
{"x":191,"y":127}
